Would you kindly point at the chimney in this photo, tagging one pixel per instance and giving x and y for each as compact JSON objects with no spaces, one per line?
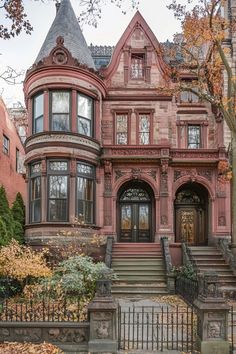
{"x":58,"y":4}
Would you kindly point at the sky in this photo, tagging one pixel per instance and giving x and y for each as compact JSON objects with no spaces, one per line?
{"x":20,"y":52}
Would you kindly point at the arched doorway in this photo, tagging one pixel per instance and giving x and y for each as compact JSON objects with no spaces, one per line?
{"x":135,"y":213}
{"x":191,"y":214}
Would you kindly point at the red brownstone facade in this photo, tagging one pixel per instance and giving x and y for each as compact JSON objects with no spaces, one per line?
{"x":115,"y":149}
{"x":11,"y":157}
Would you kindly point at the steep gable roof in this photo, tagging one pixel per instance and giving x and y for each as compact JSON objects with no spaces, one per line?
{"x":66,"y":25}
{"x":137,"y":19}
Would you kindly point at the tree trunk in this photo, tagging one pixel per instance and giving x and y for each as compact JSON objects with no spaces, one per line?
{"x":233,"y":193}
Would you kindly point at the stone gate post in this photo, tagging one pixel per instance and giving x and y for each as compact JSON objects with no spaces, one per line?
{"x":103,"y":320}
{"x":212,"y":323}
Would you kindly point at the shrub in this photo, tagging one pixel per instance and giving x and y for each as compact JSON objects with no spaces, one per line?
{"x":186,"y":271}
{"x":77,"y":276}
{"x":18,"y":214}
{"x":22,"y":263}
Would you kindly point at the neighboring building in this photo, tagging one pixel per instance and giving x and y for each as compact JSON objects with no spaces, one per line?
{"x":115,"y":148}
{"x":11,"y":157}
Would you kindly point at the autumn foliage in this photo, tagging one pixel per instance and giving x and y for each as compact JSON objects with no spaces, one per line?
{"x":21,"y":262}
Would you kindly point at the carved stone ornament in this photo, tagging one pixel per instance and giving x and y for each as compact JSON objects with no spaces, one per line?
{"x":102,"y":329}
{"x":103,"y":288}
{"x":164,"y":220}
{"x":215,"y":329}
{"x":193,"y":173}
{"x":221,"y":220}
{"x":136,"y":173}
{"x":208,"y":285}
{"x":119,"y":174}
{"x":153,"y":174}
{"x":64,"y":335}
{"x":107,"y":167}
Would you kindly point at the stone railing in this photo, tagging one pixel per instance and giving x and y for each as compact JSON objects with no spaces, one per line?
{"x":108,"y":255}
{"x":224,"y":246}
{"x":168,"y":265}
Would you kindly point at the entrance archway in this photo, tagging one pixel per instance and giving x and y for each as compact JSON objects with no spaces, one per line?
{"x":135,"y":213}
{"x":191,"y":214}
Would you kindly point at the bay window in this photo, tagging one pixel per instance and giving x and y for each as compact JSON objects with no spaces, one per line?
{"x":84,"y":115}
{"x":35,"y":192}
{"x":85,"y":193}
{"x":60,"y":111}
{"x":58,"y":191}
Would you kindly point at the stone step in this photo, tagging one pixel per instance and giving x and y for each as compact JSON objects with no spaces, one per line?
{"x":138,"y":267}
{"x":135,"y":278}
{"x":140,"y":293}
{"x":142,"y":262}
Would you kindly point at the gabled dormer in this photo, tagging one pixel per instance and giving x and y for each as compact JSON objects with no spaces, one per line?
{"x":137,"y":59}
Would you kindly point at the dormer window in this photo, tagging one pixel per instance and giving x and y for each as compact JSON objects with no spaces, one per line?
{"x":137,"y":66}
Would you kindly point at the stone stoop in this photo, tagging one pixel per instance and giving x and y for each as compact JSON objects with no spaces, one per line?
{"x":210,"y":259}
{"x":140,"y":270}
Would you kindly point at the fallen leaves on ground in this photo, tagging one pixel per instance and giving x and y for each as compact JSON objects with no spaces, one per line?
{"x":173,"y":300}
{"x":28,"y":348}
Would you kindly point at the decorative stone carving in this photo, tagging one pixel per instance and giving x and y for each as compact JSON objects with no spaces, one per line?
{"x":215,"y":329}
{"x":193,"y":173}
{"x":28,"y":334}
{"x":208,"y":285}
{"x":103,"y":288}
{"x":136,"y":173}
{"x":138,"y":152}
{"x":221,"y":220}
{"x":195,"y":154}
{"x":164,"y":219}
{"x":164,"y":183}
{"x":119,"y":174}
{"x":102,"y":329}
{"x":45,"y":138}
{"x":107,"y":167}
{"x":64,"y":335}
{"x":153,"y":174}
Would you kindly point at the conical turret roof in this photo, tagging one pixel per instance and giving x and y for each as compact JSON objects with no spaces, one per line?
{"x":66,"y":25}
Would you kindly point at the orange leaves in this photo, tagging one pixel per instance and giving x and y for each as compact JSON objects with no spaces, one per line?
{"x":28,"y":348}
{"x":224,"y":171}
{"x":19,"y":262}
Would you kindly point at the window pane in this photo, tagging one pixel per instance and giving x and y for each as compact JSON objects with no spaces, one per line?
{"x":60,"y":102}
{"x":84,"y":126}
{"x":36,"y":168}
{"x":60,"y":122}
{"x":121,"y":129}
{"x":58,"y":210}
{"x":58,"y":166}
{"x":38,"y":106}
{"x":84,"y":189}
{"x":126,"y":217}
{"x":144,"y":129}
{"x":38,"y":125}
{"x":194,"y":136}
{"x":85,"y":211}
{"x":6,"y":145}
{"x":85,"y":105}
{"x":36,"y":211}
{"x":137,"y":66}
{"x":36,"y":188}
{"x":58,"y":187}
{"x":84,"y":169}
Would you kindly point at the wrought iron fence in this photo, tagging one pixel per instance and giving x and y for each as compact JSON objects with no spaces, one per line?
{"x":157,"y":328}
{"x":45,"y":309}
{"x":187,"y":288}
{"x":232,"y":329}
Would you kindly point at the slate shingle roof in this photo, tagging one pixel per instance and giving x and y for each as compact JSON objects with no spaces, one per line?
{"x":66,"y":25}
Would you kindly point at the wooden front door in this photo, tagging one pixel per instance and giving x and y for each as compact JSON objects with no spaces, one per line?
{"x":190,"y":218}
{"x":135,"y":216}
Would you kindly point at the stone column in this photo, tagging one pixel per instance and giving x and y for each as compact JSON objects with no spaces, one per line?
{"x":102,"y":317}
{"x":212,"y":327}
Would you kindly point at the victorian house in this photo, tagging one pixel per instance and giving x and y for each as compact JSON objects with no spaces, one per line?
{"x":110,"y":145}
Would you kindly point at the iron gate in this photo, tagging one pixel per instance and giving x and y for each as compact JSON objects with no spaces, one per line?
{"x":157,"y":328}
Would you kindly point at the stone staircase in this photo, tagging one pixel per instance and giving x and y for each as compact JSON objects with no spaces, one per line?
{"x":210,"y":259}
{"x":140,"y":270}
